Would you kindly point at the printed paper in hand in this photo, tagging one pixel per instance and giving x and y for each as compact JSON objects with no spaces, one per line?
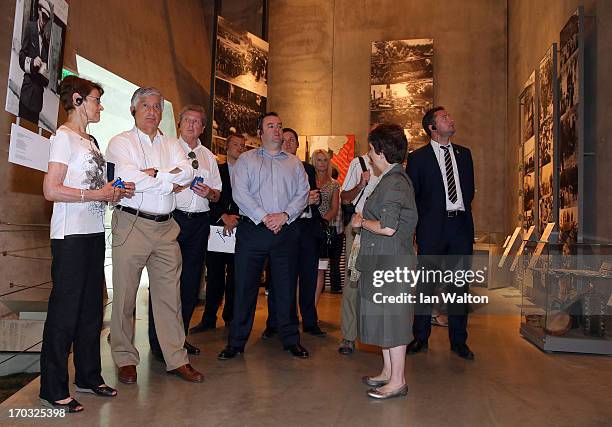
{"x":217,"y":242}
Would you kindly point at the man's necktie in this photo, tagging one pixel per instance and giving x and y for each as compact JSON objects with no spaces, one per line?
{"x":450,"y":176}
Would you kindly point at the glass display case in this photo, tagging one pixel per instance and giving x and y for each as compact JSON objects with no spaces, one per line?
{"x":567,"y":297}
{"x":487,"y":251}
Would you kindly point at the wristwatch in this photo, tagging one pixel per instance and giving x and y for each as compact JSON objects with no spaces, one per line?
{"x":155,"y":174}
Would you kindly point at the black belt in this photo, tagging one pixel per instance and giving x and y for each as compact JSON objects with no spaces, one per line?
{"x":190,"y":215}
{"x":453,"y":214}
{"x":248,"y":220}
{"x":152,"y":217}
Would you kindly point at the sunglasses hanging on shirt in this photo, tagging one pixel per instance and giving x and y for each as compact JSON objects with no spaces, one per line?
{"x":194,"y":161}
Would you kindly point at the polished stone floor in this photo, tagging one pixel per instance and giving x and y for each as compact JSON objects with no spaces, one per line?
{"x":511,"y":382}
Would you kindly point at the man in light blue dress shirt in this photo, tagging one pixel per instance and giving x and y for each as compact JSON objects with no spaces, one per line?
{"x":271,"y":189}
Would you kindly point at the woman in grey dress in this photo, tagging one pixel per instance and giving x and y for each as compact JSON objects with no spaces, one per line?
{"x":387,"y":228}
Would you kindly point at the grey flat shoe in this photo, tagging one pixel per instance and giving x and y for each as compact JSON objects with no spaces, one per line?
{"x":374,"y":383}
{"x":376,"y":394}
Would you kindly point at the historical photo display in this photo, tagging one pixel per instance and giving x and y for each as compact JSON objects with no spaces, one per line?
{"x":526,"y":153}
{"x":401,"y":85}
{"x":241,"y":88}
{"x":569,"y":127}
{"x":36,"y":61}
{"x":546,"y":137}
{"x":529,"y":183}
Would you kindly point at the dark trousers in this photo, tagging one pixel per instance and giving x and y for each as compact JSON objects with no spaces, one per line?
{"x":453,"y":252}
{"x":219,"y":282}
{"x":253,"y":244}
{"x":307,"y":268}
{"x":74,"y":316}
{"x":335,"y":252}
{"x":28,"y":114}
{"x":193,"y":241}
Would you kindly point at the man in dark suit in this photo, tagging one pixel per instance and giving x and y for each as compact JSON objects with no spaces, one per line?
{"x":310,"y":231}
{"x":442,"y":174}
{"x":220,"y":265}
{"x":33,"y":58}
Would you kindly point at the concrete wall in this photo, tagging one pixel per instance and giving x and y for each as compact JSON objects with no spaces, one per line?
{"x":148,"y":42}
{"x":320,"y":73}
{"x":532,"y":27}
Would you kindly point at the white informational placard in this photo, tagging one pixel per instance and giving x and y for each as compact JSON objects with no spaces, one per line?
{"x":29,"y":149}
{"x":508,"y":247}
{"x":541,"y":243}
{"x":217,"y":242}
{"x":521,"y":248}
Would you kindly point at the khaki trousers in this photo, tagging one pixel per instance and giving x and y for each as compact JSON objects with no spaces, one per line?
{"x":350,"y":295}
{"x":139,"y":243}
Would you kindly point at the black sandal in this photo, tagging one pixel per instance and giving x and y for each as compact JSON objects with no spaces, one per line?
{"x":102,"y":390}
{"x":72,"y":406}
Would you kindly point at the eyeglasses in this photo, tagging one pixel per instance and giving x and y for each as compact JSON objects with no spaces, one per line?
{"x":97,"y":98}
{"x":194,"y":161}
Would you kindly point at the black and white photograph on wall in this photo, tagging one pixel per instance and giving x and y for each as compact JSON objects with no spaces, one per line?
{"x":242,"y":58}
{"x":527,"y":139}
{"x":528,"y":110}
{"x":236,"y":110}
{"x":546,"y":136}
{"x":546,"y":203}
{"x":36,"y":61}
{"x":569,"y":128}
{"x":529,"y":183}
{"x":401,"y":85}
{"x":528,"y":200}
{"x":568,"y":83}
{"x":241,"y":84}
{"x":568,"y":38}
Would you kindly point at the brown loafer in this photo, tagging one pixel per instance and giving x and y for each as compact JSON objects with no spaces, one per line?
{"x":127,"y":374}
{"x":187,"y":373}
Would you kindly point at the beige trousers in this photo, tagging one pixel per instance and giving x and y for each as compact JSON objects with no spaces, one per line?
{"x":350,"y":294}
{"x":139,"y":243}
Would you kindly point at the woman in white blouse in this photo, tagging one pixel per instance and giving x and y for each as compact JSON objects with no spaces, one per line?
{"x":77,"y":185}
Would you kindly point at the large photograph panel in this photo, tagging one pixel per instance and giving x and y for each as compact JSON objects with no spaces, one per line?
{"x":36,"y":61}
{"x":236,"y":109}
{"x":242,"y":58}
{"x":546,"y":137}
{"x":401,"y":85}
{"x":241,"y":84}
{"x":570,"y":137}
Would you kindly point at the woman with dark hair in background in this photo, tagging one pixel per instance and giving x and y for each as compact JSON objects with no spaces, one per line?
{"x":387,"y":228}
{"x":76,"y":184}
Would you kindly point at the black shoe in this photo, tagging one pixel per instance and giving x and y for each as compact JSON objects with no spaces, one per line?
{"x":462,"y":351}
{"x":416,"y":346}
{"x":346,"y":347}
{"x":229,"y":352}
{"x":315,"y":331}
{"x":202,"y":327}
{"x":298,"y":351}
{"x":191,"y":349}
{"x":268,"y":333}
{"x":157,"y":355}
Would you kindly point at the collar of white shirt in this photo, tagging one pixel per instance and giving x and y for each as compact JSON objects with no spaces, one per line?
{"x":186,"y":146}
{"x":143,"y":137}
{"x":437,"y":146}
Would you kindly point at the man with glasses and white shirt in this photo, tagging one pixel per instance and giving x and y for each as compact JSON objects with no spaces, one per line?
{"x":144,"y":235}
{"x":192,"y":216}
